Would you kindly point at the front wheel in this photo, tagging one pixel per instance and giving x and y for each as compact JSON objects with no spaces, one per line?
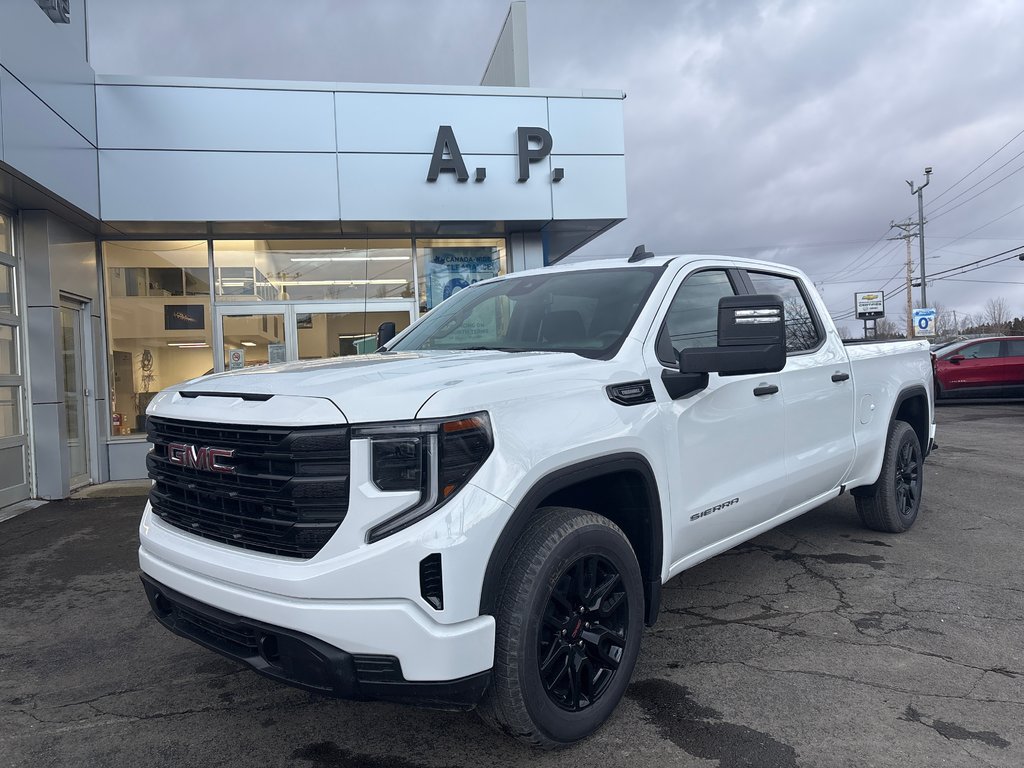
{"x":891,"y":504}
{"x":569,"y":620}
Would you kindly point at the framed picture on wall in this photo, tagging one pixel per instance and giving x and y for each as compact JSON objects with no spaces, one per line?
{"x":184,"y":317}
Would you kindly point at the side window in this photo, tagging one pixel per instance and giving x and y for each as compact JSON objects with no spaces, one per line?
{"x":1015,"y":347}
{"x":802,"y":331}
{"x":692,"y":319}
{"x":980,"y":351}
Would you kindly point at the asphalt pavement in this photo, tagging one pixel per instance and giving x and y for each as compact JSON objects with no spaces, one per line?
{"x":818,"y":644}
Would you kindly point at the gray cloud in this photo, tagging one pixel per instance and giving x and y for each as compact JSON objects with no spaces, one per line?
{"x":775,"y":129}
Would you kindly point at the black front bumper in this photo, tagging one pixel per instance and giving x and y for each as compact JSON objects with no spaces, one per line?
{"x":303,"y":661}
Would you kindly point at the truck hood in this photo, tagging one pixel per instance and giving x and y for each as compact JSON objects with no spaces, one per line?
{"x":394,"y":386}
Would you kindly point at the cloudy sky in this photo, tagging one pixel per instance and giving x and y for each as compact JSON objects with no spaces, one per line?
{"x":776,"y":129}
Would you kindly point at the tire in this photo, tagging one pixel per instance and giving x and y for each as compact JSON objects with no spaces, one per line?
{"x":892,"y":503}
{"x":565,"y":555}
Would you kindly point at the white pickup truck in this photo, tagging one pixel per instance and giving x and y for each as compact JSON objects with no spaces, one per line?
{"x":483,"y":513}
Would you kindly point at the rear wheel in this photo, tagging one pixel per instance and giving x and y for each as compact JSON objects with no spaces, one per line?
{"x":892,"y":503}
{"x":569,"y":621}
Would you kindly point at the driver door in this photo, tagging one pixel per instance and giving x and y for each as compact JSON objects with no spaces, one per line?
{"x":724,"y":443}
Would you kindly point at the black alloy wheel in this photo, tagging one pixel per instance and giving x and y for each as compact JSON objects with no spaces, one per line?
{"x":582,"y":637}
{"x":892,"y":503}
{"x":568,"y":620}
{"x":908,"y":478}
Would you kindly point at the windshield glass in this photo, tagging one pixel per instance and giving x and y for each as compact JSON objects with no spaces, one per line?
{"x":586,"y":312}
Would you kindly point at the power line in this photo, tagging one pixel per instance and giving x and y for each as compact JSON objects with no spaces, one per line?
{"x":958,"y":181}
{"x":934,"y":216}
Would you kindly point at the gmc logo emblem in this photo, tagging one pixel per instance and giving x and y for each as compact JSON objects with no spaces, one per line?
{"x":200,"y":457}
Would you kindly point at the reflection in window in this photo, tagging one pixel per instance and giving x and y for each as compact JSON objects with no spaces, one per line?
{"x":158,"y":321}
{"x":447,"y":266}
{"x":801,"y":332}
{"x":313,"y":270}
{"x":339,"y":334}
{"x":981,"y":351}
{"x":692,"y":319}
{"x":5,"y":235}
{"x":7,"y":303}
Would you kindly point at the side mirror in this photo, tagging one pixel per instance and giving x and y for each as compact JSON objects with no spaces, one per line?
{"x":385,"y":333}
{"x":956,"y":359}
{"x":751,"y":339}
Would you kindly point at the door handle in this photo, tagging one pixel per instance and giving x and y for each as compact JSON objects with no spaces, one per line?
{"x":837,"y":377}
{"x":765,"y":389}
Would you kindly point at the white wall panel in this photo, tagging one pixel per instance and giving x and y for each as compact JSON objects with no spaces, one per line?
{"x":51,"y":60}
{"x":404,"y":122}
{"x":42,"y":146}
{"x":218,"y":186}
{"x":140,"y":117}
{"x":594,"y":187}
{"x":586,"y":126}
{"x":394,"y":187}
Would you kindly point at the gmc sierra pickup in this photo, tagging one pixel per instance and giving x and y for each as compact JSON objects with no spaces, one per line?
{"x":483,"y":513}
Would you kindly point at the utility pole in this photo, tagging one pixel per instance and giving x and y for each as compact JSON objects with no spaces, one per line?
{"x":907,"y":235}
{"x":920,"y":227}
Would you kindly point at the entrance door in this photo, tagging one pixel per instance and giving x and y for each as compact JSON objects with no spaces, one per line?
{"x":75,"y":393}
{"x":13,"y":418}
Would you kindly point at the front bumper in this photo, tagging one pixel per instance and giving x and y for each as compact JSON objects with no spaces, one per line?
{"x":427,"y":649}
{"x":303,"y":661}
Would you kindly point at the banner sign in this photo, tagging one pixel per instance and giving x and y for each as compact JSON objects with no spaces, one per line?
{"x":449,"y":270}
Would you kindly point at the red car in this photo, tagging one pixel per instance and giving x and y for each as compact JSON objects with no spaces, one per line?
{"x":992,"y":367}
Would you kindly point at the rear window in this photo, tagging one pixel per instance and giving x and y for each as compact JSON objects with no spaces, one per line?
{"x":802,"y":331}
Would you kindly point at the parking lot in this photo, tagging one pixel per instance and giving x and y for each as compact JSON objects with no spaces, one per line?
{"x":818,"y":644}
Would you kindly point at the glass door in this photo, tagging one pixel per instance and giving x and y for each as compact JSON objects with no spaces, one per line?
{"x":253,"y":337}
{"x":75,"y":393}
{"x":338,"y":330}
{"x":259,"y":334}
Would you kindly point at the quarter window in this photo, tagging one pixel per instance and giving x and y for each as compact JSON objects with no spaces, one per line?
{"x":802,"y":331}
{"x":692,"y":319}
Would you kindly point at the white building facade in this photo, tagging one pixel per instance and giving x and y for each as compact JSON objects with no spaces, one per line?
{"x":157,"y":229}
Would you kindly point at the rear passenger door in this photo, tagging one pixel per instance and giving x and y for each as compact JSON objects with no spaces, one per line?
{"x":1011,"y":372}
{"x":817,"y":391}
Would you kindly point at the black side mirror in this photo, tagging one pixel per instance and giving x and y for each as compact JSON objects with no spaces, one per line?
{"x":385,"y":333}
{"x":751,"y":339}
{"x":956,"y":359}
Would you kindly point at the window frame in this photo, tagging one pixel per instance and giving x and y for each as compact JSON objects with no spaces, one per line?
{"x":734,"y":276}
{"x":811,"y":308}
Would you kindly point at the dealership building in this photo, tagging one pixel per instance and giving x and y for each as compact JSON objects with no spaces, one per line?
{"x":154,"y":229}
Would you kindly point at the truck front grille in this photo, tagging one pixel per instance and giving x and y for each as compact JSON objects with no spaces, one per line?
{"x":279,"y":490}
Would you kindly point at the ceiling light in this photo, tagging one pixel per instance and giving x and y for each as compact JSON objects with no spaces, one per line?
{"x":187,"y":344}
{"x":248,"y":343}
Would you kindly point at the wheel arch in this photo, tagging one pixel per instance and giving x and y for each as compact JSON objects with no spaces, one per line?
{"x":911,"y":406}
{"x":621,"y":487}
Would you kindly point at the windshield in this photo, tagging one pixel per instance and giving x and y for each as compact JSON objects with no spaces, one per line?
{"x":585,"y":312}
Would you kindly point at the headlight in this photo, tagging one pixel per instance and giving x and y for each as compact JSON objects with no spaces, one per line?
{"x":435,"y":457}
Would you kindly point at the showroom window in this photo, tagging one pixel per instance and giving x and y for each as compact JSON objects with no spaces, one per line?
{"x":446,"y":266}
{"x":158,"y":321}
{"x":312,"y":270}
{"x":181,"y":309}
